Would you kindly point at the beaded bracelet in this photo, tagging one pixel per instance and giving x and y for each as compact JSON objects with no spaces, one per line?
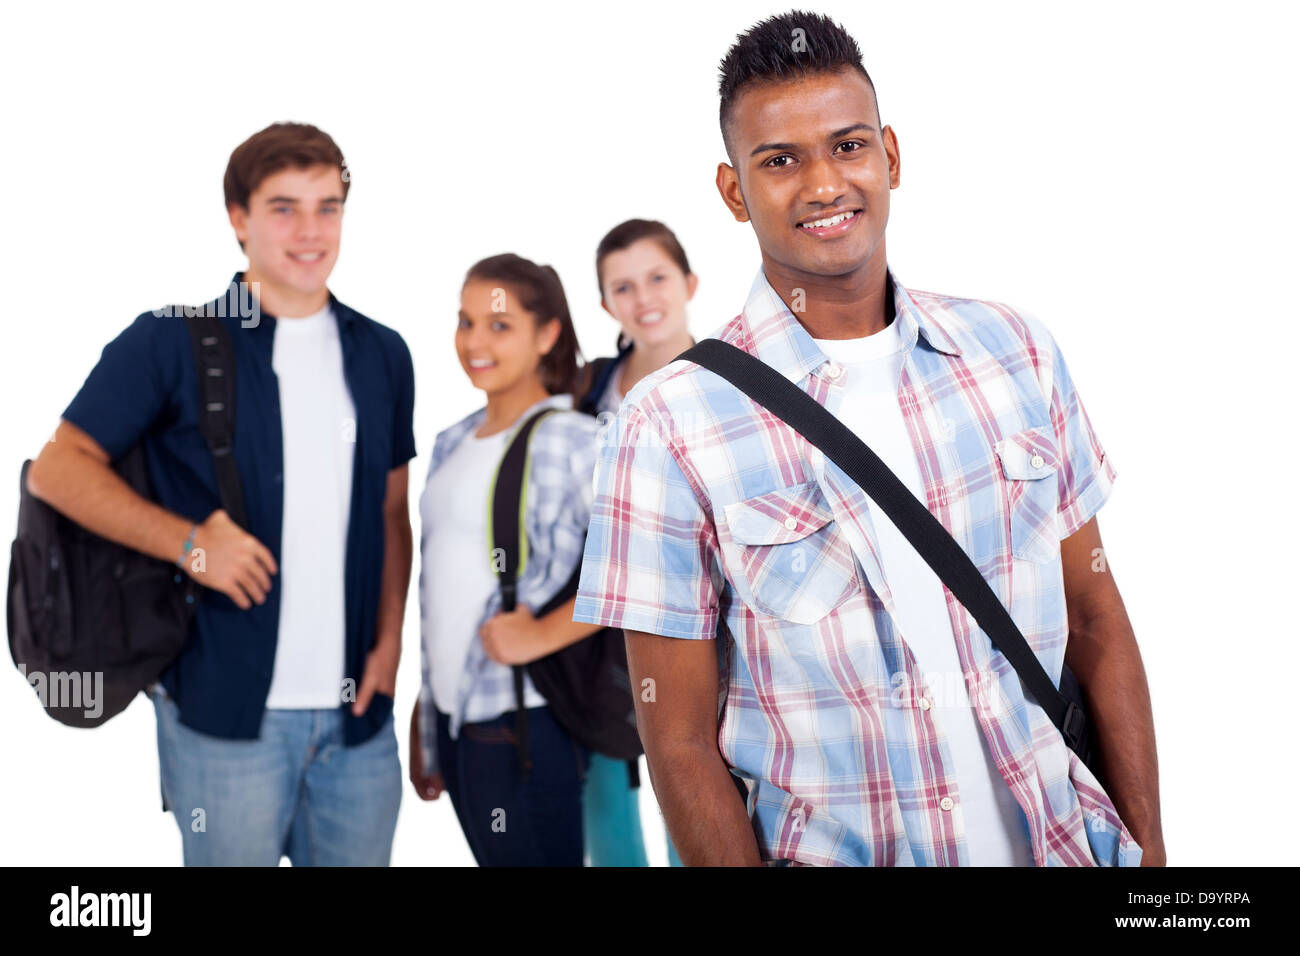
{"x":188,"y":547}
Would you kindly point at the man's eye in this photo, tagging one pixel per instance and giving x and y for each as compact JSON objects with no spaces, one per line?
{"x":856,"y":146}
{"x":283,"y":209}
{"x":773,"y":160}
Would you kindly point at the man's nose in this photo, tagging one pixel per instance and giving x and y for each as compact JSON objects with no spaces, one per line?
{"x":823,"y":181}
{"x":309,"y":227}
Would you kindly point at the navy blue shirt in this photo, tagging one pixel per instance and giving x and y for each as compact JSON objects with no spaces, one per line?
{"x":145,"y":388}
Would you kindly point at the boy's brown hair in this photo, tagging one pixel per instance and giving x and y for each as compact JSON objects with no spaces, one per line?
{"x":279,"y":146}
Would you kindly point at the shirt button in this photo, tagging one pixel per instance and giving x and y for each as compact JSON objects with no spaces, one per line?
{"x":925,"y":703}
{"x":834,"y":370}
{"x":791,"y":524}
{"x":946,"y":803}
{"x":1037,"y":461}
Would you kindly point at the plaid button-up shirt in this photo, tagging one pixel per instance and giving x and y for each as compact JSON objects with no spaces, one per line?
{"x":713,"y":518}
{"x":557,"y":505}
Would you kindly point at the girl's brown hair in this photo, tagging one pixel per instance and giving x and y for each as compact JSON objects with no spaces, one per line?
{"x":634,"y":230}
{"x":541,"y":293}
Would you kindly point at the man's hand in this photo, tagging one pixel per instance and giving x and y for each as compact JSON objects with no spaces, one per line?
{"x":1153,"y":855}
{"x":380,"y":673}
{"x":514,"y":637}
{"x":428,"y":787}
{"x":228,"y":559}
{"x":73,"y":475}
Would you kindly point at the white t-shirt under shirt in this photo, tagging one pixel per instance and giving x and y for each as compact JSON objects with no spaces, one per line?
{"x":458,"y":579}
{"x":318,"y":425}
{"x":995,"y":827}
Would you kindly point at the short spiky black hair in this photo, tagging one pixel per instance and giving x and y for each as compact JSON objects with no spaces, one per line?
{"x":783,"y":47}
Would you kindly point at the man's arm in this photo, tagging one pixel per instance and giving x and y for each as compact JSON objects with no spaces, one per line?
{"x":705,"y":815}
{"x":381,"y":662}
{"x":73,"y":475}
{"x":1103,"y":653}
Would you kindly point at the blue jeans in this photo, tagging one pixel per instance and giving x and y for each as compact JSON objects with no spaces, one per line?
{"x":611,"y":817}
{"x":509,"y":821}
{"x":295,"y":791}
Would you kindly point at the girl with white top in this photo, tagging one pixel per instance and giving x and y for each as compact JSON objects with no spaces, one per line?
{"x":516,"y":342}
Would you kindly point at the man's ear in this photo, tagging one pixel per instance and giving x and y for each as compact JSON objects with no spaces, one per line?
{"x":238,"y":221}
{"x":890,"y":141}
{"x":728,"y":183}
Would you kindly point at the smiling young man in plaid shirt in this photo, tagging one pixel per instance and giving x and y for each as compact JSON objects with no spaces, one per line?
{"x":869,"y":718}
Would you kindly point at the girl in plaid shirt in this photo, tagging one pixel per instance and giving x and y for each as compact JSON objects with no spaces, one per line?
{"x":516,"y":342}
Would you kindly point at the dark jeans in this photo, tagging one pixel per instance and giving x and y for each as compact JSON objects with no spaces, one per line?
{"x":509,"y":821}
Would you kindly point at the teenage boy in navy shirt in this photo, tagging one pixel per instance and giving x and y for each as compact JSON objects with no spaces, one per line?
{"x":275,"y":730}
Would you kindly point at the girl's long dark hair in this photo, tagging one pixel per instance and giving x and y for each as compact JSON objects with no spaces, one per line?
{"x":540,"y":292}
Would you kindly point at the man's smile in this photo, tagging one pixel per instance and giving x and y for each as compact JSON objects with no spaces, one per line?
{"x":829,"y":226}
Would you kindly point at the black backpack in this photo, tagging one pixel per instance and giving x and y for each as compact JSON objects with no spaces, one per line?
{"x":586,"y":684}
{"x":92,"y":623}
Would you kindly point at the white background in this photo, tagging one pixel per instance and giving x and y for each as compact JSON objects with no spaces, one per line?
{"x":1124,"y":170}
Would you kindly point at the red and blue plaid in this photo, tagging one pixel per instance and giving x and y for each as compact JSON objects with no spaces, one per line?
{"x":713,"y":518}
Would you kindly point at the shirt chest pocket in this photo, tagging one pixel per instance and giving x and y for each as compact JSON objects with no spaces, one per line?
{"x":786,"y":554}
{"x":1030,"y":462}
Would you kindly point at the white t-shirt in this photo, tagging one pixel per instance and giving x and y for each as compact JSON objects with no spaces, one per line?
{"x":994,"y":823}
{"x":318,"y":425}
{"x":458,"y":578}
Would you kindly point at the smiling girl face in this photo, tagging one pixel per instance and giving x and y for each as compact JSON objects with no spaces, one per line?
{"x":646,"y":292}
{"x":500,"y":344}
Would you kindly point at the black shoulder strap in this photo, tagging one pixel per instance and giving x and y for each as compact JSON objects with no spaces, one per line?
{"x":214,"y":361}
{"x":603,"y":370}
{"x":507,"y":535}
{"x":941,"y":552}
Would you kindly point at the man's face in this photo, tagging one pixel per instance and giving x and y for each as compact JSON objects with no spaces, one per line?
{"x":807,"y":150}
{"x":291,"y":228}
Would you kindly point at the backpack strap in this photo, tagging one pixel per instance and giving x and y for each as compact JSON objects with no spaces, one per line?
{"x":508,"y":541}
{"x":214,"y":361}
{"x":773,"y":391}
{"x":602,"y":373}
